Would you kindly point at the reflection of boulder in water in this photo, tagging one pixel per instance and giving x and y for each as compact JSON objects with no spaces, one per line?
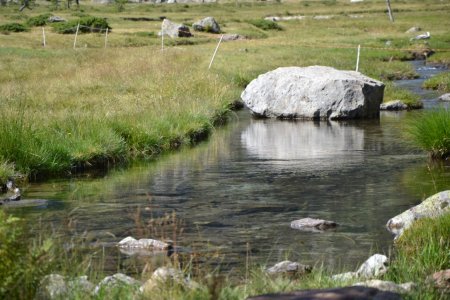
{"x":282,"y":140}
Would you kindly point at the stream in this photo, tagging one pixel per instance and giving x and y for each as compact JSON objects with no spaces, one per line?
{"x":235,"y":195}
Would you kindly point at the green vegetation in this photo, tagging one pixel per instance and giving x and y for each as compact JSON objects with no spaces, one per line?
{"x":13,"y":27}
{"x":431,"y":132}
{"x":265,"y":24}
{"x":40,"y":20}
{"x":394,"y":93}
{"x":86,"y":23}
{"x":422,"y":250}
{"x":439,"y":82}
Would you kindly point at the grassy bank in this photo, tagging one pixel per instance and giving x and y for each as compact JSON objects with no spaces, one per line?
{"x":422,"y":250}
{"x":62,"y":109}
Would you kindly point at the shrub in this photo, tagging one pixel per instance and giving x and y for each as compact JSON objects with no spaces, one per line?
{"x":13,"y":27}
{"x":40,"y":20}
{"x":87,"y":24}
{"x":431,"y":132}
{"x":265,"y":24}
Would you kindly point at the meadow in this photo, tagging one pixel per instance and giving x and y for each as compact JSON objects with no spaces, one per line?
{"x":63,"y":109}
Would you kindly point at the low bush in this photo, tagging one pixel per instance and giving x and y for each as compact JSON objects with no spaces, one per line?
{"x":265,"y":24}
{"x":431,"y":132}
{"x":87,"y":24}
{"x":40,"y":20}
{"x":13,"y":27}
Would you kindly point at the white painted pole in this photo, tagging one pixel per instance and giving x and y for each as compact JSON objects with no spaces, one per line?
{"x":357,"y":58}
{"x":106,"y":37}
{"x":43,"y":37}
{"x":76,"y":34}
{"x":162,"y":37}
{"x":215,"y":51}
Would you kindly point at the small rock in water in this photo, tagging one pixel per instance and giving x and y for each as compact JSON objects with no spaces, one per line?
{"x":310,"y":224}
{"x":289,"y":267}
{"x":445,"y":97}
{"x":130,"y":242}
{"x":393,"y":105}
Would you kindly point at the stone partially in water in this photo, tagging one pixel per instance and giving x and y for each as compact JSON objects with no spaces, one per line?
{"x":314,"y":92}
{"x":394,"y":105}
{"x":130,"y":243}
{"x":289,"y":267}
{"x":445,"y":97}
{"x":432,"y":207}
{"x":310,"y":224}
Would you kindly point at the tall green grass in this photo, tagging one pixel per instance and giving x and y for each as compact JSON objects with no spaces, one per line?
{"x":439,"y":82}
{"x":431,"y":132}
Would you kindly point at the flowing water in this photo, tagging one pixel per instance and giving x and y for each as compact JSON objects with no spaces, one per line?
{"x":236,"y":194}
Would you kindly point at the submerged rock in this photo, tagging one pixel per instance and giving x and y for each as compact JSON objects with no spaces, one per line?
{"x":310,"y":224}
{"x":345,"y":293}
{"x":314,"y":92}
{"x":388,"y":286}
{"x":432,"y":207}
{"x":393,"y":105}
{"x":289,"y":267}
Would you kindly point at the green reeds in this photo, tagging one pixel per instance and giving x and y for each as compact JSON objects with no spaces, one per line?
{"x":431,"y":132}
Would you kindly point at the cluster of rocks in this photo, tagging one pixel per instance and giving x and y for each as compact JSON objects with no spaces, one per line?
{"x":55,"y":286}
{"x":175,"y":30}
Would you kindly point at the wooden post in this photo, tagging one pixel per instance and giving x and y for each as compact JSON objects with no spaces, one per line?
{"x":357,"y":58}
{"x":215,"y":51}
{"x":43,"y":37}
{"x":391,"y":17}
{"x":106,"y":37}
{"x":76,"y":34}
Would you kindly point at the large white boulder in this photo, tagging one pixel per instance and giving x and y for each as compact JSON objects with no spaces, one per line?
{"x":314,"y":92}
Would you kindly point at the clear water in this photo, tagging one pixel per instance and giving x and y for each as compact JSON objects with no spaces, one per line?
{"x":237,"y":193}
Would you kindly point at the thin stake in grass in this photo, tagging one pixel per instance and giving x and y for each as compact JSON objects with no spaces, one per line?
{"x":215,"y":52}
{"x":357,"y":58}
{"x":43,"y":37}
{"x":76,"y":34}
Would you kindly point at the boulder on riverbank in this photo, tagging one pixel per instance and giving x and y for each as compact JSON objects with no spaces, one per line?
{"x":314,"y":92}
{"x":433,"y":206}
{"x":310,"y":224}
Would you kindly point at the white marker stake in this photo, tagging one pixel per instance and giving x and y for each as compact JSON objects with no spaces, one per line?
{"x":215,"y":51}
{"x":76,"y":34}
{"x":106,"y":37}
{"x":357,"y":58}
{"x":43,"y":37}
